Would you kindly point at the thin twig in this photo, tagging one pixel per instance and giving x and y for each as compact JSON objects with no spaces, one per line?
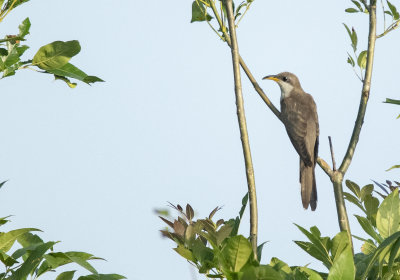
{"x":247,"y":8}
{"x":332,"y":154}
{"x":365,"y":90}
{"x":243,"y":129}
{"x":392,"y":27}
{"x":384,"y":15}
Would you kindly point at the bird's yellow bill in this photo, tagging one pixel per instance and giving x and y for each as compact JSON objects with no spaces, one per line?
{"x":271,"y":78}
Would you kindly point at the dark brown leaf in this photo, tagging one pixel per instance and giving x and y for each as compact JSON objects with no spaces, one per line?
{"x":220,"y":222}
{"x":179,"y":208}
{"x":183,"y":222}
{"x":167,"y":222}
{"x":179,"y":228}
{"x":213,"y":212}
{"x":189,"y":212}
{"x":166,"y":234}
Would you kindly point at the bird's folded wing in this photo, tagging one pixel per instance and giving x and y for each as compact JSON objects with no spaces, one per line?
{"x":296,"y":119}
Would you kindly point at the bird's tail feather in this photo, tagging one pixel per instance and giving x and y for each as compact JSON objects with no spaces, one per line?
{"x":308,"y":186}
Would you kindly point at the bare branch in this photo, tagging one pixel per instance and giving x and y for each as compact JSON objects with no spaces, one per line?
{"x":243,"y":129}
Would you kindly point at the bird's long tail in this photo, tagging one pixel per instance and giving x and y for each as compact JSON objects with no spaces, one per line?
{"x":308,"y":186}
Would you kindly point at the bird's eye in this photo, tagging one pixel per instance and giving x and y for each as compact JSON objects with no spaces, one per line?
{"x":285,"y":79}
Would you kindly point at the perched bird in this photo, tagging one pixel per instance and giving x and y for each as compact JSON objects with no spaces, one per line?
{"x":299,"y":115}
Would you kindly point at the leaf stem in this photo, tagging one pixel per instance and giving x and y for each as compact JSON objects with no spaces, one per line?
{"x":243,"y":128}
{"x":247,"y":8}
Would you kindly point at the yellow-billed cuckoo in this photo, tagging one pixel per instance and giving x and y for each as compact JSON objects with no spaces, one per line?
{"x":299,"y":115}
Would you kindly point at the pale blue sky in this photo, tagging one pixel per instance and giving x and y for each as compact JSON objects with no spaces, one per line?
{"x":89,"y":165}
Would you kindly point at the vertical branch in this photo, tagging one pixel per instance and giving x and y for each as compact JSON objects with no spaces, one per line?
{"x":243,"y":129}
{"x":365,"y":90}
{"x":338,"y":175}
{"x":332,"y":154}
{"x":343,"y":220}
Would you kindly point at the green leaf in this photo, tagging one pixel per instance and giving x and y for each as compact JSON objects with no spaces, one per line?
{"x":29,"y":239}
{"x":350,"y":60}
{"x":102,"y":277}
{"x":349,"y":197}
{"x":280,"y":265}
{"x":67,"y":275}
{"x":343,"y":266}
{"x":351,"y":10}
{"x":259,"y":250}
{"x":32,"y":261}
{"x":6,"y":259}
{"x":81,"y":258}
{"x":392,"y":101}
{"x":389,"y":13}
{"x":66,"y":80}
{"x":7,"y":239}
{"x":223,"y":233}
{"x":366,"y":190}
{"x":371,"y":205}
{"x":69,"y":70}
{"x":262,"y":272}
{"x":199,"y":12}
{"x":187,"y":254}
{"x":339,"y":243}
{"x":22,"y":49}
{"x":353,"y":37}
{"x":24,"y":28}
{"x":245,"y":199}
{"x":362,"y":59}
{"x":358,"y":5}
{"x":315,"y":252}
{"x":92,"y":79}
{"x":393,"y":253}
{"x":368,"y":228}
{"x":312,"y":275}
{"x":201,"y":252}
{"x":55,"y":260}
{"x":55,"y":55}
{"x":388,"y":216}
{"x":380,"y":253}
{"x":318,"y":250}
{"x":236,"y":252}
{"x":394,"y":166}
{"x":368,"y":247}
{"x":393,"y":10}
{"x":353,"y":187}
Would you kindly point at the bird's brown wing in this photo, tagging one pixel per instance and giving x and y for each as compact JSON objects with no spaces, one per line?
{"x":300,"y":125}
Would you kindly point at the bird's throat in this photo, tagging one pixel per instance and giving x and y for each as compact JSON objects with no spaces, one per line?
{"x":286,"y":90}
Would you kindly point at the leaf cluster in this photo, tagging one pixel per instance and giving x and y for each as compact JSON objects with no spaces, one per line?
{"x":34,"y":257}
{"x":379,"y":257}
{"x":216,"y":249}
{"x":201,"y":12}
{"x":335,"y":254}
{"x":52,"y":58}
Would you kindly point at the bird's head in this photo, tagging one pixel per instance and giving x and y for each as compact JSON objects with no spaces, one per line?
{"x":286,"y":81}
